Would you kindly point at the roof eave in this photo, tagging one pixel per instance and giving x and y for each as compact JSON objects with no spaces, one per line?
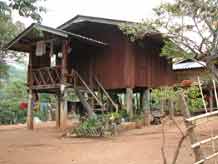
{"x":82,"y":18}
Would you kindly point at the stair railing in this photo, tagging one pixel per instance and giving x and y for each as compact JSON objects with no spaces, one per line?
{"x":106,"y":93}
{"x":75,"y":76}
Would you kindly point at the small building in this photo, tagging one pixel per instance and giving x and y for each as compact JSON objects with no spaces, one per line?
{"x":192,"y":70}
{"x":93,"y":54}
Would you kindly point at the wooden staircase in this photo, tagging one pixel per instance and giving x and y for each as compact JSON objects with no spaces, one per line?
{"x":88,"y":97}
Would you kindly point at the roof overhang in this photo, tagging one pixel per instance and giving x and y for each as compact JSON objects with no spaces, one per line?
{"x":25,"y":41}
{"x":83,"y":18}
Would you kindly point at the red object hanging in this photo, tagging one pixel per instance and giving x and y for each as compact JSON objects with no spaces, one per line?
{"x":23,"y":105}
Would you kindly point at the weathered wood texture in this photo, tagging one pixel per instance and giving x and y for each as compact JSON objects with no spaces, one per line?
{"x":122,"y":64}
{"x":190,"y":74}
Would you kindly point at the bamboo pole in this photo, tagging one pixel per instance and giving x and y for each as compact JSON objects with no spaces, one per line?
{"x":206,"y":115}
{"x":202,"y":95}
{"x":197,"y":144}
{"x":215,"y":93}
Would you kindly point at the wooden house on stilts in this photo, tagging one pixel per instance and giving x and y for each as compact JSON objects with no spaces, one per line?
{"x":92,"y":54}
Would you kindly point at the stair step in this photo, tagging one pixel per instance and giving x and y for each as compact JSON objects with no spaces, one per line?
{"x":100,"y":109}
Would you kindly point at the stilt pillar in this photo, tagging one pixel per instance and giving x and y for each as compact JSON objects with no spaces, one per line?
{"x":63,"y":107}
{"x":30,"y":110}
{"x":129,"y":102}
{"x":57,"y":114}
{"x":146,"y":105}
{"x":211,"y":99}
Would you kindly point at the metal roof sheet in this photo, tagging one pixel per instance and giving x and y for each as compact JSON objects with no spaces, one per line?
{"x":189,"y":65}
{"x":53,"y":31}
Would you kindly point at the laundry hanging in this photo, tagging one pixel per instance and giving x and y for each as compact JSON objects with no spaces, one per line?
{"x":40,"y":48}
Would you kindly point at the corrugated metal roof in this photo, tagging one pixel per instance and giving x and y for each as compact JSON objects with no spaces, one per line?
{"x":189,"y":65}
{"x":53,"y":31}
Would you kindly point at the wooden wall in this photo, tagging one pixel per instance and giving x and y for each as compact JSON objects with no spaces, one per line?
{"x":191,"y":74}
{"x":122,"y":64}
{"x":106,"y":63}
{"x":119,"y":65}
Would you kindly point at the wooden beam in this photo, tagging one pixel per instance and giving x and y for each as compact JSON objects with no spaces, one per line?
{"x":64,"y":71}
{"x":197,"y":144}
{"x":207,"y":158}
{"x":57,"y":114}
{"x":30,"y":111}
{"x":206,"y":115}
{"x":50,"y":76}
{"x":42,"y":77}
{"x":63,"y":107}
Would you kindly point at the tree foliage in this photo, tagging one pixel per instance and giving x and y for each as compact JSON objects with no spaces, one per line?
{"x":9,"y":29}
{"x":11,"y":95}
{"x":189,"y":28}
{"x":194,"y":100}
{"x":25,"y":8}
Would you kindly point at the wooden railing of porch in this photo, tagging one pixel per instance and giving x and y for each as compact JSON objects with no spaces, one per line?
{"x":45,"y":77}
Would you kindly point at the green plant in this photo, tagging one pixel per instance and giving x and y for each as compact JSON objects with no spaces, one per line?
{"x":194,"y":99}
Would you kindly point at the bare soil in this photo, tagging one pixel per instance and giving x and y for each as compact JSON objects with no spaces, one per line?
{"x":46,"y":145}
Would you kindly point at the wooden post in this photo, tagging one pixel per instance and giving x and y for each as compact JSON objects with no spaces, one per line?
{"x":211,"y":99}
{"x":190,"y":127}
{"x":64,"y":63}
{"x":63,"y":107}
{"x":63,"y":90}
{"x":129,"y":102}
{"x":171,"y":109}
{"x":145,"y":98}
{"x":30,"y":111}
{"x":162,"y":110}
{"x":57,"y":115}
{"x":30,"y":95}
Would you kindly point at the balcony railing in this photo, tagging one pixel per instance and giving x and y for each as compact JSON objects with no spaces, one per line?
{"x":45,"y":76}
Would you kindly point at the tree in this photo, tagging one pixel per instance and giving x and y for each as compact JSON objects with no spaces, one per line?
{"x":9,"y":29}
{"x":189,"y":28}
{"x":26,"y":8}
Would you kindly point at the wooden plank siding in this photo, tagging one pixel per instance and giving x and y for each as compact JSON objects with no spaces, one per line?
{"x":119,"y":65}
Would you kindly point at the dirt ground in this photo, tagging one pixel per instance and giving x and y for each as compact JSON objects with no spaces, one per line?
{"x":45,"y":145}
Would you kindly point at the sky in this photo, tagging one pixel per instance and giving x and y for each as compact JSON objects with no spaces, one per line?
{"x":59,"y":11}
